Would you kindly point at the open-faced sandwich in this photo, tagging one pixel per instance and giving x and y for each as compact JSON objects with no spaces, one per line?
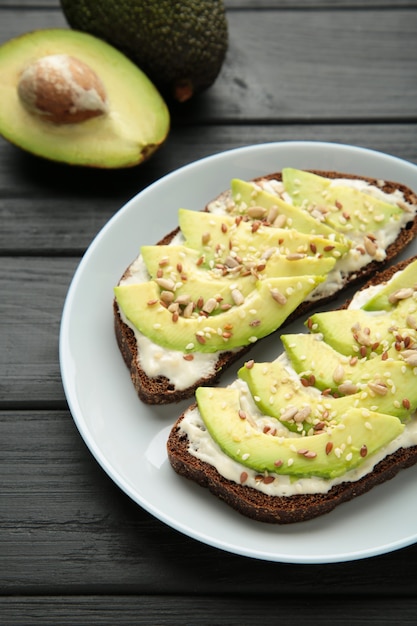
{"x":330,"y":418}
{"x":258,"y":255}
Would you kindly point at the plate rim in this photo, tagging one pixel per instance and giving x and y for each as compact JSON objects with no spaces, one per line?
{"x":76,"y":409}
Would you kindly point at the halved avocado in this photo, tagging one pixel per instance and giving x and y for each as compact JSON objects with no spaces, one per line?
{"x":134,"y":120}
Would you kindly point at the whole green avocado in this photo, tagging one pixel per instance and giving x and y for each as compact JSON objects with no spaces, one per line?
{"x":181,"y":46}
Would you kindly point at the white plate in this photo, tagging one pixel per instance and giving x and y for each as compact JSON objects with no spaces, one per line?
{"x":128,"y":438}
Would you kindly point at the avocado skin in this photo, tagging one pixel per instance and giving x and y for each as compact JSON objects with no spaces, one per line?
{"x":181,"y":46}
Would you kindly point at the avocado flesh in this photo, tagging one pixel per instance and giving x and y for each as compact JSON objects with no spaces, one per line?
{"x":332,"y":370}
{"x":382,"y":300}
{"x":259,"y":315}
{"x":246,"y":195}
{"x":180,"y":265}
{"x":306,"y":456}
{"x":296,"y":391}
{"x":135,"y":126}
{"x":180,"y":45}
{"x":349,"y":210}
{"x":275,"y":390}
{"x":217,"y":235}
{"x":347,"y":330}
{"x":185,"y":268}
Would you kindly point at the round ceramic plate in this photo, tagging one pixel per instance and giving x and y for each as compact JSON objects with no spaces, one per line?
{"x":129,"y":438}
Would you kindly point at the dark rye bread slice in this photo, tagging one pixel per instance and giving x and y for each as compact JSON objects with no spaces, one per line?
{"x":276,"y":509}
{"x":285,"y":509}
{"x":159,"y":390}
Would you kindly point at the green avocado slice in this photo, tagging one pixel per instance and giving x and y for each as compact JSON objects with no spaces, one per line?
{"x":359,"y":434}
{"x":179,"y":267}
{"x":387,"y":380}
{"x":246,"y":195}
{"x":402,"y":286}
{"x":346,"y":208}
{"x":259,"y":314}
{"x":219,"y":236}
{"x":282,"y":394}
{"x":350,"y":330}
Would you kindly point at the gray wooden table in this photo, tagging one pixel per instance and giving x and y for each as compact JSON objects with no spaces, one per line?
{"x":74,"y":549}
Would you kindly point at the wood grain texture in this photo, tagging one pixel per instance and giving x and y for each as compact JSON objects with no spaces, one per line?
{"x":147,"y":610}
{"x":282,"y":65}
{"x":74,"y":549}
{"x":30,"y":317}
{"x":67,"y":529}
{"x":63,"y":208}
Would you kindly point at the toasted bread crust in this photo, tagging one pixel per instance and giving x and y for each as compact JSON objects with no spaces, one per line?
{"x":286,"y":509}
{"x":279,"y":509}
{"x":159,"y":390}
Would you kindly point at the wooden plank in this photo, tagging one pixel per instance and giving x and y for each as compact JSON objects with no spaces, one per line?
{"x":206,"y":610}
{"x":320,"y":57}
{"x":62,"y":208}
{"x":33,"y":293}
{"x":66,"y":528}
{"x":255,"y":4}
{"x":354,"y":63}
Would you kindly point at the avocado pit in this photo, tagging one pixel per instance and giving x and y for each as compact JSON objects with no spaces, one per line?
{"x":62,"y":89}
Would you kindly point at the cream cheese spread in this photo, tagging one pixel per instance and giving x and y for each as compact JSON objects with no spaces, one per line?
{"x":156,"y":360}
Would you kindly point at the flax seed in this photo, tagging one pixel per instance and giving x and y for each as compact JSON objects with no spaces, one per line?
{"x":243,"y":477}
{"x":363,"y":451}
{"x":406,"y":404}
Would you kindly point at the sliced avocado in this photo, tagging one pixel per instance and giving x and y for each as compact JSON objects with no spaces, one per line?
{"x":387,"y":380}
{"x":180,"y":45}
{"x":180,"y":268}
{"x":343,"y":207}
{"x":178,"y":272}
{"x":280,"y":393}
{"x":260,"y":314}
{"x":217,"y":236}
{"x":133,"y":120}
{"x":356,"y":331}
{"x":403,"y":285}
{"x":180,"y":263}
{"x":347,"y":329}
{"x":329,"y":454}
{"x":246,"y":196}
{"x":177,"y":259}
{"x":290,"y":265}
